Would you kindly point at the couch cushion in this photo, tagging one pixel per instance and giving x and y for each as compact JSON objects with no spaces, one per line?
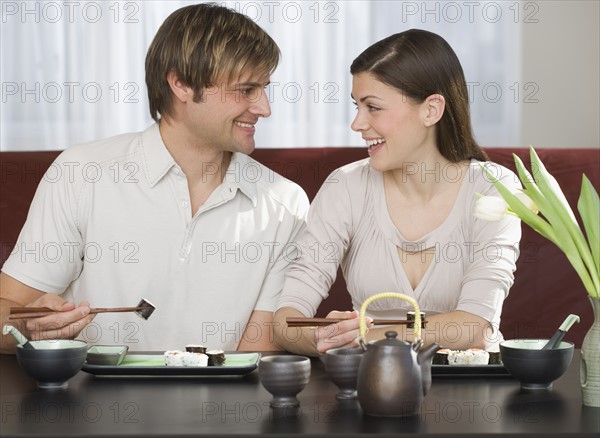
{"x":546,"y":287}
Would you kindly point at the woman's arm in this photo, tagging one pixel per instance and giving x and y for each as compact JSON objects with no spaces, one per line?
{"x":455,"y":330}
{"x":322,"y":247}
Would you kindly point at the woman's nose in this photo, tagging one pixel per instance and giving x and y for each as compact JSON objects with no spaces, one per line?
{"x":359,"y":123}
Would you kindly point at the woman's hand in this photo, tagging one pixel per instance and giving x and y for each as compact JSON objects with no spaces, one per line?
{"x":342,"y":334}
{"x":312,"y":341}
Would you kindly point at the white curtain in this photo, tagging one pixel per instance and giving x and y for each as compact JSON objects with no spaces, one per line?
{"x":73,"y":71}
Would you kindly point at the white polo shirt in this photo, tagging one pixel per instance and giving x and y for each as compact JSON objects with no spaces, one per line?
{"x":111,"y":224}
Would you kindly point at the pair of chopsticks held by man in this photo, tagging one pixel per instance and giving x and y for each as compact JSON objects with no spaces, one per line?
{"x":227,"y":259}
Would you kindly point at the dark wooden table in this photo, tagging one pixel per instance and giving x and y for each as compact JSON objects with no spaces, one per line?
{"x":151,"y":406}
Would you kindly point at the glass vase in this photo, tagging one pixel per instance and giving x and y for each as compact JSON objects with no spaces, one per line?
{"x":590,"y":360}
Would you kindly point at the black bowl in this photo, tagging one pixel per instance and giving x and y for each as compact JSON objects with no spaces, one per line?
{"x":53,"y":362}
{"x":533,"y":367}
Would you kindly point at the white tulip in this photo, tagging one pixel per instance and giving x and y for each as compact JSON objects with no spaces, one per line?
{"x":490,"y":208}
{"x":526,"y":200}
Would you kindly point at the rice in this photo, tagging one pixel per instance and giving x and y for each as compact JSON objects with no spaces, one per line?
{"x":195,"y":359}
{"x":173,"y":358}
{"x":472,"y":356}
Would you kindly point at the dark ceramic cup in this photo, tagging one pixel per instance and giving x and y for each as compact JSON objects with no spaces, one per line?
{"x":342,"y":365}
{"x":533,"y":367}
{"x":284,"y":377}
{"x":53,"y":362}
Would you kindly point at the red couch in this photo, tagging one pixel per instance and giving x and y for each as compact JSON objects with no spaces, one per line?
{"x":546,"y":287}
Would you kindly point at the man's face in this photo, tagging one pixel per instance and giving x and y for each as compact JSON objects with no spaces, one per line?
{"x":225,"y":117}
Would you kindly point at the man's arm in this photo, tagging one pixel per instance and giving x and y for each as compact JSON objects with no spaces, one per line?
{"x":65,"y":325}
{"x":258,"y":335}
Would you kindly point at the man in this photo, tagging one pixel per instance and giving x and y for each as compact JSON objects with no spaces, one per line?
{"x":177,"y":214}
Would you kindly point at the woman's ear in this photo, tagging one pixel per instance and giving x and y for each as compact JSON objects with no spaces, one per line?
{"x":435,"y":106}
{"x":181,"y":91}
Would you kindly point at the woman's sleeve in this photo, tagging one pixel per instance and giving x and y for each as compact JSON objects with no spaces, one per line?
{"x":321,"y":247}
{"x":493,"y":253}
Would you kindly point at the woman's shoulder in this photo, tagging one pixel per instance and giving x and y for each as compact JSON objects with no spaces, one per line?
{"x":349,"y":175}
{"x":480,"y":179}
{"x":346,"y":185}
{"x":356,"y":169}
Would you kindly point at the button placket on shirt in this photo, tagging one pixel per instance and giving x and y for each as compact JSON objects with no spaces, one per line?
{"x":227,"y":193}
{"x":183,"y":198}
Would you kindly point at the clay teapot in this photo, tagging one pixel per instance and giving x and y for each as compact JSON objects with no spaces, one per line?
{"x":394,"y":375}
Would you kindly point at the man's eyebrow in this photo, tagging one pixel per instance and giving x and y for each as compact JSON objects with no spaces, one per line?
{"x":252,"y":84}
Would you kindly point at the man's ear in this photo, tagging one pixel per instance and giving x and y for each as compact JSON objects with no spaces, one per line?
{"x":435,"y":106}
{"x":181,"y":91}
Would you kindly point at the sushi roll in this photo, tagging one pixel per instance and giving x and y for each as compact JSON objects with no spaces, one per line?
{"x":215,"y":357}
{"x":478,"y":356}
{"x":194,"y":359}
{"x":472,"y":356}
{"x":173,"y":358}
{"x":441,"y":357}
{"x":494,"y":358}
{"x":192,"y":348}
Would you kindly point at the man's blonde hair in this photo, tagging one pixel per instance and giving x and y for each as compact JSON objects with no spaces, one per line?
{"x":205,"y":44}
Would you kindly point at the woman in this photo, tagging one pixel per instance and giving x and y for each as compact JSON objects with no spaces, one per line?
{"x":402,"y":220}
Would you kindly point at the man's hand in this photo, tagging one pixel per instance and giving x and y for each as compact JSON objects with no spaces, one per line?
{"x":67,"y":323}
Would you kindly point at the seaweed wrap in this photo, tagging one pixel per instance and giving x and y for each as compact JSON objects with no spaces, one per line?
{"x":215,"y":357}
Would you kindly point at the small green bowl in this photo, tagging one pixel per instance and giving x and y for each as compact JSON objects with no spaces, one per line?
{"x":106,"y":354}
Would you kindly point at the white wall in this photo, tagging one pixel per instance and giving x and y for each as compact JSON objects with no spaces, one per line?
{"x":561,"y":56}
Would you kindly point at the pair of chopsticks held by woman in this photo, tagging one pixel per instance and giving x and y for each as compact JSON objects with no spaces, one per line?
{"x":401,"y":220}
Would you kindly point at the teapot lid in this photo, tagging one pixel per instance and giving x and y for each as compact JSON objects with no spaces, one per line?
{"x":391,"y":339}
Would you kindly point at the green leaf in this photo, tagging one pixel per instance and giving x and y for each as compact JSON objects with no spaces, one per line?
{"x":531,"y":189}
{"x":589,"y":209}
{"x":563,"y":222}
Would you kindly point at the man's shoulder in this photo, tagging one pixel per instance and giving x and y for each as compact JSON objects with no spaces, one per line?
{"x":273,"y":186}
{"x":103,"y":151}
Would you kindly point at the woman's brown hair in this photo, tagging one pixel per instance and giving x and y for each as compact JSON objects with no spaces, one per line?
{"x":421,"y":63}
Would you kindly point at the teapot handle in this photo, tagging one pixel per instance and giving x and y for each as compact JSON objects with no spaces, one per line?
{"x":362,"y":330}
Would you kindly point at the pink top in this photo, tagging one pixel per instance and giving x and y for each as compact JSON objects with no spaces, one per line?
{"x":349,"y":224}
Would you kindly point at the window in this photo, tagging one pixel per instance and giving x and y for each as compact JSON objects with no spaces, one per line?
{"x":74,"y":71}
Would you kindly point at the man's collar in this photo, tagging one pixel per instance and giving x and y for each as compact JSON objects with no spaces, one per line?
{"x":242,"y":173}
{"x":157,"y":159}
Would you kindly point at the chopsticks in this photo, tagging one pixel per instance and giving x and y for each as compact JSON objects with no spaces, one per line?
{"x":320,"y":322}
{"x":38,"y":312}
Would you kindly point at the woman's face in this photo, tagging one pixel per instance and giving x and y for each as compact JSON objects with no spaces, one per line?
{"x":393,"y":126}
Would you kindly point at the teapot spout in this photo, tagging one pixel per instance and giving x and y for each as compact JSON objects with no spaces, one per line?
{"x":425,"y":355}
{"x":424,"y":358}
